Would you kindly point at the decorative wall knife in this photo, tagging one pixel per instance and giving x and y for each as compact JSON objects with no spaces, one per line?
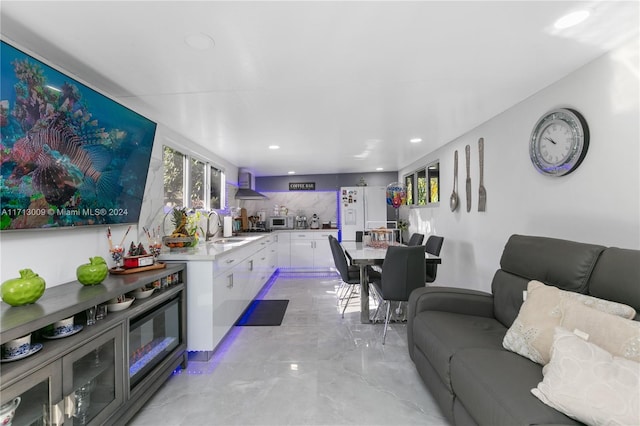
{"x":482,"y":192}
{"x":467,"y":150}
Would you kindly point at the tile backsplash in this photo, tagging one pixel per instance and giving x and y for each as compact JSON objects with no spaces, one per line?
{"x":322,"y":203}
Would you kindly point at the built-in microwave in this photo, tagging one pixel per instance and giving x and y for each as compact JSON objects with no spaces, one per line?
{"x":280,"y":222}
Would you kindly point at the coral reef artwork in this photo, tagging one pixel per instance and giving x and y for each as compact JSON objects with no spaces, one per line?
{"x":69,"y":156}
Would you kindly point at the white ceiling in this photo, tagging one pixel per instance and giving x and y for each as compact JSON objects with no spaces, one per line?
{"x":339,"y":86}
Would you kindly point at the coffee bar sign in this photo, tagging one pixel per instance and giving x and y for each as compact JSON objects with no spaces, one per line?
{"x":302,"y":186}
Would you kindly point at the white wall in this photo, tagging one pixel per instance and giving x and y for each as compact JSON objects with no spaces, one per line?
{"x":598,"y":203}
{"x":55,"y":254}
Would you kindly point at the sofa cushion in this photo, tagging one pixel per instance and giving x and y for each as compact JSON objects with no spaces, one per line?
{"x":589,"y":384}
{"x":439,"y":335}
{"x":531,"y":334}
{"x":495,"y":388}
{"x":561,"y":263}
{"x":617,"y":277}
{"x":507,"y":296}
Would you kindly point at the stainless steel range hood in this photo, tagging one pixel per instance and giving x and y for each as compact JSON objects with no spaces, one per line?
{"x":245,"y":191}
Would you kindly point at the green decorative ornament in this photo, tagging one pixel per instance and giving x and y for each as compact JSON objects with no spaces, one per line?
{"x":94,"y":272}
{"x":24,"y":290}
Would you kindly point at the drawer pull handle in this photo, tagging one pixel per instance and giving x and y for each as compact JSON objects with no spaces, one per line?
{"x":70,"y":405}
{"x":230,"y":261}
{"x":57,"y":413}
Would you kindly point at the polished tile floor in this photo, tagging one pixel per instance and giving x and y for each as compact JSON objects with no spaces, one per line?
{"x":314,"y":369}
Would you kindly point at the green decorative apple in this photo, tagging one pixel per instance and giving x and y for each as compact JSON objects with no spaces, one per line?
{"x":94,"y":272}
{"x":24,"y":290}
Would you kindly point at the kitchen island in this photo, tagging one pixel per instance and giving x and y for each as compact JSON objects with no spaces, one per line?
{"x":225,"y":275}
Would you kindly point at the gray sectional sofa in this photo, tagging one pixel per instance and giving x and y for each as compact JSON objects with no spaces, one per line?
{"x":455,"y":335}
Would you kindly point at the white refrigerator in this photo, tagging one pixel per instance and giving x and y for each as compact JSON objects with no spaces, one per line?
{"x":361,"y":207}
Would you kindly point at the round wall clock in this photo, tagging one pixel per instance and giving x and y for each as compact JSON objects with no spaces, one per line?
{"x":559,"y":142}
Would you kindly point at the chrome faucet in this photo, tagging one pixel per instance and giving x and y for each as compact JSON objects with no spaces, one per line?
{"x":208,"y":234}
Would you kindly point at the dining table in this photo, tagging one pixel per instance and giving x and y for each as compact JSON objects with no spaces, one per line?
{"x":362,"y":255}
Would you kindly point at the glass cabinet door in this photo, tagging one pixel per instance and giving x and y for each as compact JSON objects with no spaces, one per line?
{"x":93,"y":379}
{"x":30,"y":401}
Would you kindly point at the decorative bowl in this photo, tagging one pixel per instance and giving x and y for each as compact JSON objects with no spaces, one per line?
{"x":179,"y":242}
{"x":114,"y":306}
{"x":380,"y":238}
{"x":142,"y":293}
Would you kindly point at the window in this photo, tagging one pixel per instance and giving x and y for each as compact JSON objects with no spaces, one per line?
{"x":408,"y":182}
{"x":196,"y":184}
{"x":215,"y":188}
{"x":174,"y":171}
{"x":433,"y":171}
{"x":423,"y":186}
{"x":189,"y":175}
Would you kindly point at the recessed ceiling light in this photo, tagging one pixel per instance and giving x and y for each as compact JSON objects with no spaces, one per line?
{"x":199,"y":41}
{"x":379,"y":169}
{"x":274,"y":147}
{"x":415,"y":140}
{"x":571,"y":19}
{"x":291,"y":172}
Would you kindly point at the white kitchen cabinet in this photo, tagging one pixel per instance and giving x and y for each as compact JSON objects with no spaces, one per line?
{"x":222,"y":289}
{"x":322,"y":257}
{"x":284,"y":249}
{"x":267,"y":259}
{"x":310,"y":249}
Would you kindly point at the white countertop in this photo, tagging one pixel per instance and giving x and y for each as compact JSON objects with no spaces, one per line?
{"x":306,"y":230}
{"x":209,"y":250}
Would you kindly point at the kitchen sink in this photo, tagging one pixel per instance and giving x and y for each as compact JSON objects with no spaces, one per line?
{"x":229,"y":241}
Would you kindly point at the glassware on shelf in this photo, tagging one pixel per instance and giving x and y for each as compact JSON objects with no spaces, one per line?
{"x":96,"y":359}
{"x":91,"y":315}
{"x":117,"y":252}
{"x":83,"y":403}
{"x":101,"y":312}
{"x":155,"y":245}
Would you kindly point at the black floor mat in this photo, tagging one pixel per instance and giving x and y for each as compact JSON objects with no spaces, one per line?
{"x":264,"y":312}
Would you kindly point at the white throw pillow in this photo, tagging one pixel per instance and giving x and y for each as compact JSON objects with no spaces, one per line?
{"x":588,"y":384}
{"x":531,"y":334}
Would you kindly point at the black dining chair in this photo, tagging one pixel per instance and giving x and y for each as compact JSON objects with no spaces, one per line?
{"x":339,"y":259}
{"x":403,"y":270}
{"x":416,"y":239}
{"x":433,"y":246}
{"x":350,"y":275}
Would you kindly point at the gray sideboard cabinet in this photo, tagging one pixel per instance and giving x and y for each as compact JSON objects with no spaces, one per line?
{"x":104,"y":373}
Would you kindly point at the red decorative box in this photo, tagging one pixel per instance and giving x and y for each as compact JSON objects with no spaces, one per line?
{"x":138,"y":261}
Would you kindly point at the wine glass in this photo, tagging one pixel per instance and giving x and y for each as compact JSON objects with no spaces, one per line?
{"x":116,"y":254}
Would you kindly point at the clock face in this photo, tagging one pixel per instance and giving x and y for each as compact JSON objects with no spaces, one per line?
{"x":556,"y":141}
{"x":559,"y":142}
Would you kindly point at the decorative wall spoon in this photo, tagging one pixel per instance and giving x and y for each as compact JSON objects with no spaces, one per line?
{"x":453,"y":201}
